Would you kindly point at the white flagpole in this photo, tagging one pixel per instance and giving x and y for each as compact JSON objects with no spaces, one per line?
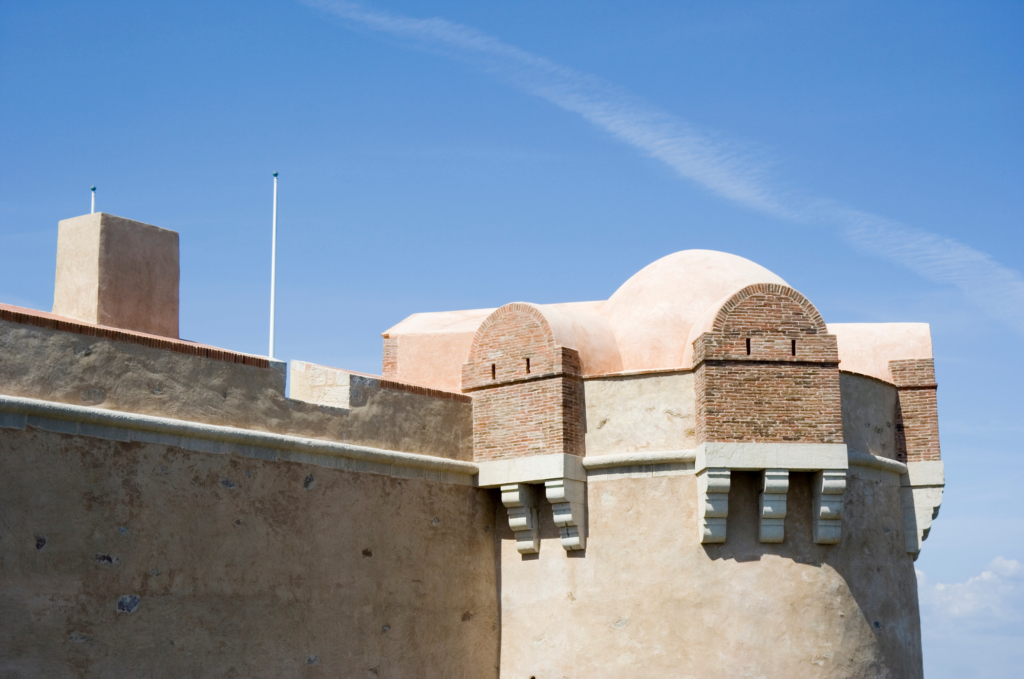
{"x":93,"y":200}
{"x":273,"y":269}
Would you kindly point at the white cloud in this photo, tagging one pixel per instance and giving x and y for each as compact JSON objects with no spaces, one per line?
{"x":974,"y":628}
{"x":725,"y":168}
{"x":994,"y":598}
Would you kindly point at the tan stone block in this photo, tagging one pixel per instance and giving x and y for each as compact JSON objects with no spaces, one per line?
{"x":117,"y":272}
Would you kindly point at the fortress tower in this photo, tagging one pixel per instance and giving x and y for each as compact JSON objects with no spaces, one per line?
{"x":698,"y":477}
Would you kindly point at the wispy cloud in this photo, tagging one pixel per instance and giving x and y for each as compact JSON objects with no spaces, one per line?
{"x":725,"y":168}
{"x":992,"y":599}
{"x":974,"y":628}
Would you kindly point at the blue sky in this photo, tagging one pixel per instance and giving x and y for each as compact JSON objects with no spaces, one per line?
{"x":472,"y":154}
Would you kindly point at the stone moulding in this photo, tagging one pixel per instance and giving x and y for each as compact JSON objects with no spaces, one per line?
{"x":521,"y":501}
{"x":17,"y":412}
{"x":921,"y":491}
{"x":715,"y":461}
{"x":772,"y":505}
{"x":564,"y":480}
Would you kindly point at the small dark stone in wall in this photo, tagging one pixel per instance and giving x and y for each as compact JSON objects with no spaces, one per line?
{"x":154,"y":572}
{"x":40,"y":542}
{"x":224,"y":394}
{"x":313,"y":660}
{"x":228,"y":483}
{"x":876,"y":625}
{"x":127,"y":604}
{"x":78,"y":638}
{"x":467,"y":616}
{"x":374,"y":670}
{"x":107,"y":560}
{"x":248,"y":473}
{"x":886,"y":529}
{"x":122,"y":530}
{"x":367,"y":552}
{"x":308,"y":482}
{"x":238,"y":522}
{"x":487,"y":529}
{"x":385,"y":628}
{"x":158,"y":389}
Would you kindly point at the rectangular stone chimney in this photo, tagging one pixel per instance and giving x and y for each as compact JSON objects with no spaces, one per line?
{"x":117,"y":272}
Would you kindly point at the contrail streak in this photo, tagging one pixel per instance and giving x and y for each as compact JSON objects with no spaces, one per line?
{"x":721,"y":167}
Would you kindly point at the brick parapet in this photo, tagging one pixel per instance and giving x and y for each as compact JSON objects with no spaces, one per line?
{"x":536,"y":417}
{"x":768,"y":371}
{"x":527,"y":390}
{"x":917,"y":414}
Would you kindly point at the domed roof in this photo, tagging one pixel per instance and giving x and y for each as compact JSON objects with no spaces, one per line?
{"x":653,"y":312}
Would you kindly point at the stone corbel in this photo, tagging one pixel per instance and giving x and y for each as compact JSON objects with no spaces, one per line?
{"x":712,"y":504}
{"x":772,"y":505}
{"x":829,"y":486}
{"x":521,"y":501}
{"x":568,"y":500}
{"x":921,"y":495}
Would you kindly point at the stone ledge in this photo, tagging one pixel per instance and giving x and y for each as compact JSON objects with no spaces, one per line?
{"x":758,"y":456}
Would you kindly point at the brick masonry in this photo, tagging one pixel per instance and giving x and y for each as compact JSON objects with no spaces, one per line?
{"x":768,"y":371}
{"x":527,"y":391}
{"x":917,"y":415}
{"x":390,"y":357}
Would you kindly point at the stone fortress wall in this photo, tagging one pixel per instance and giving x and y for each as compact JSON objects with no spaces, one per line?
{"x":697,"y":477}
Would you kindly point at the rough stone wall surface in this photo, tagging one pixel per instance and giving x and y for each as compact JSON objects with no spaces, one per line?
{"x":132,"y":560}
{"x":640,"y":413}
{"x":918,"y":414}
{"x":82,"y":370}
{"x":768,"y":372}
{"x":647,"y":600}
{"x":528,"y":396}
{"x":869,"y":415}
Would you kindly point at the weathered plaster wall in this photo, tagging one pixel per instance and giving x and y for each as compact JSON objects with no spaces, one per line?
{"x":869,"y":415}
{"x":242,"y":568}
{"x":82,"y":370}
{"x":646,"y":599}
{"x":640,"y":413}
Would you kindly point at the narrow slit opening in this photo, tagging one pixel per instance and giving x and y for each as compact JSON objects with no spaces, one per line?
{"x":794,"y":347}
{"x":494,"y":371}
{"x":748,"y":346}
{"x":527,"y":366}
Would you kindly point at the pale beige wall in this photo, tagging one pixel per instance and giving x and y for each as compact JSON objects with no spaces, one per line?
{"x":647,"y":600}
{"x":81,"y":370}
{"x":117,"y":272}
{"x":640,"y":413}
{"x":869,"y":415}
{"x":375,"y":576}
{"x":77,"y":284}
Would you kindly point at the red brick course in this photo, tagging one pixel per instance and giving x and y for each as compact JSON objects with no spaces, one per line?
{"x":527,"y":390}
{"x":768,"y":371}
{"x":917,"y":414}
{"x":390,"y":357}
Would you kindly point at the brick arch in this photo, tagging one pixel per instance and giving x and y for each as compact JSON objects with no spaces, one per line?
{"x":769,"y":308}
{"x":517,"y":316}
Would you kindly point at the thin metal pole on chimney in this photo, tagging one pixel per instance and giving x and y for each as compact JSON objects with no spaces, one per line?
{"x":93,"y":200}
{"x":273,"y":269}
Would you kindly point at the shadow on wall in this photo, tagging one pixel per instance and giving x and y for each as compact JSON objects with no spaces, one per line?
{"x":742,"y":543}
{"x":871,"y":558}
